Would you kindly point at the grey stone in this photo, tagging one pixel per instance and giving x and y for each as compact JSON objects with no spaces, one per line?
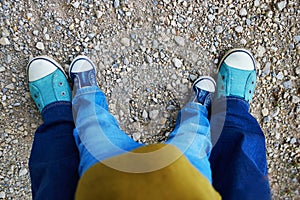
{"x":40,"y":46}
{"x":148,"y":59}
{"x":136,"y":136}
{"x":10,"y":86}
{"x":288,"y":84}
{"x":2,"y":69}
{"x":177,"y":62}
{"x":76,"y":4}
{"x":219,"y":29}
{"x":281,"y":5}
{"x":145,"y":114}
{"x":179,"y":40}
{"x":2,"y":195}
{"x":243,"y":12}
{"x":295,"y":99}
{"x":264,"y":112}
{"x":4,"y":41}
{"x":116,"y":3}
{"x":125,"y":41}
{"x":261,"y":51}
{"x":23,"y":172}
{"x":153,"y":114}
{"x":266,"y":70}
{"x":296,"y":38}
{"x":239,"y":29}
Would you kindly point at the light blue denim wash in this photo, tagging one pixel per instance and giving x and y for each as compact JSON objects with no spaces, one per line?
{"x":98,"y":136}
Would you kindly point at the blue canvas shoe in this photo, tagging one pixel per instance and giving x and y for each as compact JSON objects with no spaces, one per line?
{"x":47,"y":82}
{"x":82,"y":72}
{"x":204,"y":88}
{"x":237,"y":75}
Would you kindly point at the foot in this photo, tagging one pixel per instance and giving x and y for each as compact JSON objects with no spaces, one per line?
{"x":237,"y":75}
{"x":82,"y":73}
{"x":47,"y":82}
{"x":204,"y":88}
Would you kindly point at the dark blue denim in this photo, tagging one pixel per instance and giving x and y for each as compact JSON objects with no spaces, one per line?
{"x":238,"y":159}
{"x":54,"y":158}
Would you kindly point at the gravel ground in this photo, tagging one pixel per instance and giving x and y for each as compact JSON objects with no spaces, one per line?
{"x":148,"y":53}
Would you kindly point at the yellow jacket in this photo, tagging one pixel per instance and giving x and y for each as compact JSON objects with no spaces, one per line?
{"x":177,"y":180}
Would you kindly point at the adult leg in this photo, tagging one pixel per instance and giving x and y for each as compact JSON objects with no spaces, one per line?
{"x":238,"y":159}
{"x":54,"y":158}
{"x":97,"y":132}
{"x":192,"y":131}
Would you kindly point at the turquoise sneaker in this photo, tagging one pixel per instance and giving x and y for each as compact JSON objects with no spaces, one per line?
{"x":47,"y":82}
{"x":237,"y":75}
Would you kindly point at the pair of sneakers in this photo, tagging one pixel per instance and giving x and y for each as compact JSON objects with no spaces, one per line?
{"x":48,"y":82}
{"x":236,"y":78}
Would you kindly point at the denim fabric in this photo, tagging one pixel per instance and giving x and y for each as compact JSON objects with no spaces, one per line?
{"x":99,"y":137}
{"x":238,"y":159}
{"x":97,"y":132}
{"x":192,"y":137}
{"x":54,"y":158}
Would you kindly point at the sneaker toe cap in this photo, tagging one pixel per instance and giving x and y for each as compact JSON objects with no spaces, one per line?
{"x":40,"y":68}
{"x":240,"y":60}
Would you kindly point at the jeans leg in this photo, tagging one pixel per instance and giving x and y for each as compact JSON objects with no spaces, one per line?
{"x":238,"y":160}
{"x":192,"y":136}
{"x":97,"y":132}
{"x":54,"y":156}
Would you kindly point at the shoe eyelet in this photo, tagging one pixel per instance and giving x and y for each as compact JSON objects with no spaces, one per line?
{"x":252,"y":82}
{"x":250,"y":91}
{"x":39,"y":105}
{"x":60,"y":84}
{"x":223,"y":77}
{"x":63,"y":93}
{"x":35,"y":96}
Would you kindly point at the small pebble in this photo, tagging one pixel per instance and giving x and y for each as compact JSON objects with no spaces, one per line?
{"x":295,"y":99}
{"x":76,"y":4}
{"x":4,"y":41}
{"x":40,"y":46}
{"x":265,"y":112}
{"x":23,"y":172}
{"x":179,"y":40}
{"x":261,"y":51}
{"x":2,"y":195}
{"x":177,"y":62}
{"x":243,"y":12}
{"x":239,"y":29}
{"x":116,"y":3}
{"x":219,"y":29}
{"x":153,"y":114}
{"x":281,"y":5}
{"x":125,"y":42}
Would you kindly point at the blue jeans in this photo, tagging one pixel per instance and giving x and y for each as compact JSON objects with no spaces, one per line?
{"x":238,"y":159}
{"x":99,"y":137}
{"x":54,"y":158}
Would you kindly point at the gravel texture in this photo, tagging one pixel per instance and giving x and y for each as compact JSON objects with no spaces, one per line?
{"x":148,"y":53}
